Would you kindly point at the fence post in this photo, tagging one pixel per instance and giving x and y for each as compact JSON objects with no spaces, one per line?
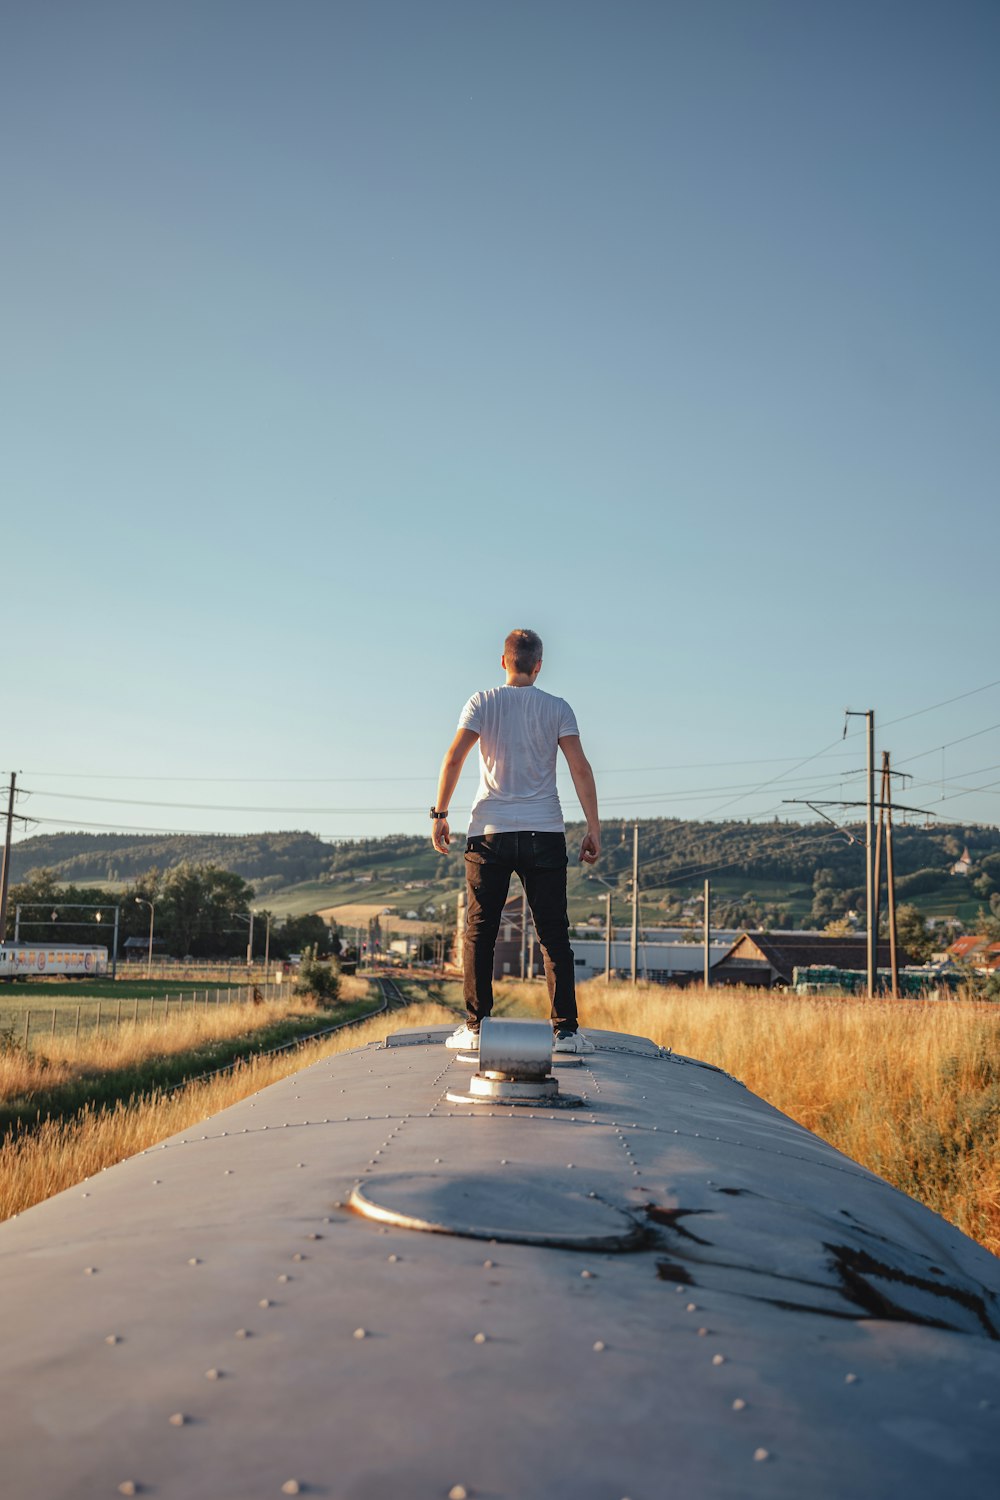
{"x":27,"y":1028}
{"x":53,"y":1032}
{"x":76,"y":1032}
{"x":135,"y":1011}
{"x":118,"y":1015}
{"x":166,"y":1006}
{"x":98,"y":1028}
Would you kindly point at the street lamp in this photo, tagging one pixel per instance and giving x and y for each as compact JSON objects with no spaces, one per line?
{"x":149,"y":956}
{"x":267,"y":946}
{"x":248,"y":917}
{"x":607,"y":930}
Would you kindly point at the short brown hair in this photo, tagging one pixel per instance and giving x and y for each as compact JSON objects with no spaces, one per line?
{"x":522,"y":651}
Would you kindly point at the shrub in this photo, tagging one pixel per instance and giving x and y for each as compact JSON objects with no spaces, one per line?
{"x":318,"y":978}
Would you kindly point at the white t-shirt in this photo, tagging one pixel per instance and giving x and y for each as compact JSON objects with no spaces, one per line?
{"x":519,"y":731}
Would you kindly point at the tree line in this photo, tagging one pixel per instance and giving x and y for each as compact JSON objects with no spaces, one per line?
{"x":200,"y":911}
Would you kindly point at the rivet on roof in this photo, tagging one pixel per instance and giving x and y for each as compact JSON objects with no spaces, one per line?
{"x":850,"y":1379}
{"x":128,"y":1487}
{"x":458,"y":1492}
{"x":599,"y":1346}
{"x":487,"y":1265}
{"x":739,"y":1404}
{"x":702,"y":1332}
{"x":760,"y":1455}
{"x":718,"y":1359}
{"x":284,"y":1276}
{"x":90,"y":1270}
{"x":194,"y":1261}
{"x":113,"y":1338}
{"x":586,"y":1275}
{"x":691,"y":1307}
{"x":213,"y":1374}
{"x":360,"y":1333}
{"x":479,"y":1338}
{"x":84,"y":1195}
{"x":299,"y":1256}
{"x":291,"y":1487}
{"x":178,"y":1419}
{"x":243,"y":1333}
{"x":265,"y":1302}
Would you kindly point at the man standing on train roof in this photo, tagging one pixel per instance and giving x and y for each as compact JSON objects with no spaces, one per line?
{"x":517,"y":827}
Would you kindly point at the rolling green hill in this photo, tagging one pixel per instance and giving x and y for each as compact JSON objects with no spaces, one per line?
{"x":776,"y":874}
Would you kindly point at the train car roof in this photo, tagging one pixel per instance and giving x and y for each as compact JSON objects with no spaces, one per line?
{"x":350,"y":1285}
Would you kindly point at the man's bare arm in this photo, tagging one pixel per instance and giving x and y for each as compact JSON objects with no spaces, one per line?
{"x":451,"y":770}
{"x":586,"y":790}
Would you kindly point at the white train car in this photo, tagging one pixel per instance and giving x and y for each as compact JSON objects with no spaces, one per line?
{"x":397,"y":1276}
{"x":51,"y":960}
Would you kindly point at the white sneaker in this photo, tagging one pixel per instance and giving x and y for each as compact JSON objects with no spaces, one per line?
{"x":571,"y":1041}
{"x":464,"y":1039}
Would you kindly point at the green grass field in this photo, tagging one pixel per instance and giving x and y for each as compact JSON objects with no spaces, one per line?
{"x":54,"y":1006}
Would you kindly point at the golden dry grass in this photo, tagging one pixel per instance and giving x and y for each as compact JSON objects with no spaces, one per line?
{"x":63,"y":1152}
{"x":910,"y":1089}
{"x":55,"y":1059}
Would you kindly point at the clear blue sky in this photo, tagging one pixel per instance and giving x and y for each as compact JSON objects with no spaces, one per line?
{"x":339,"y":338}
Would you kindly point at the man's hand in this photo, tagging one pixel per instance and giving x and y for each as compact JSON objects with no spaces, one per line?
{"x":441,"y":835}
{"x":591,"y":846}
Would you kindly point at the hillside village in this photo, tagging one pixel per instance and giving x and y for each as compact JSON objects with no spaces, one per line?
{"x":396,"y":895}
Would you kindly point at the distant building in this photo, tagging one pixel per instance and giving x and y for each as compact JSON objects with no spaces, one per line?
{"x":137,"y":948}
{"x":765,"y":959}
{"x":981,"y":952}
{"x":963,"y":866}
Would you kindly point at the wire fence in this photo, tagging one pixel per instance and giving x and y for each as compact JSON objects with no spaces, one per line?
{"x":211,"y":970}
{"x":91,"y":1017}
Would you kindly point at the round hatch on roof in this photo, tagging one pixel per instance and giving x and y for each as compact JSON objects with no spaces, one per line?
{"x":540,"y":1208}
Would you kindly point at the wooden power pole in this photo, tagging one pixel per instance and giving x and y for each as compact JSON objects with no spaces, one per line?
{"x":635,"y":902}
{"x":5,"y":871}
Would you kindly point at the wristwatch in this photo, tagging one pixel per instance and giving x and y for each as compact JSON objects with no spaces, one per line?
{"x":437,"y":816}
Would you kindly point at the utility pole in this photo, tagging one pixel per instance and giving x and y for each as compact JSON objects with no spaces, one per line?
{"x":884,"y":840}
{"x":250,"y":942}
{"x":5,"y":871}
{"x":707,"y":919}
{"x":607,"y":942}
{"x":890,"y":879}
{"x":114,"y":944}
{"x":870,"y":852}
{"x":868,"y":715}
{"x":635,"y":901}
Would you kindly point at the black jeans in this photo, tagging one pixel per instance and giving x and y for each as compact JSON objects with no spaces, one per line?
{"x":540,"y":860}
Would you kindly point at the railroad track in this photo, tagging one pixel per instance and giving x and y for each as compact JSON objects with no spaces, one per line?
{"x":392,"y":999}
{"x":392,"y":996}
